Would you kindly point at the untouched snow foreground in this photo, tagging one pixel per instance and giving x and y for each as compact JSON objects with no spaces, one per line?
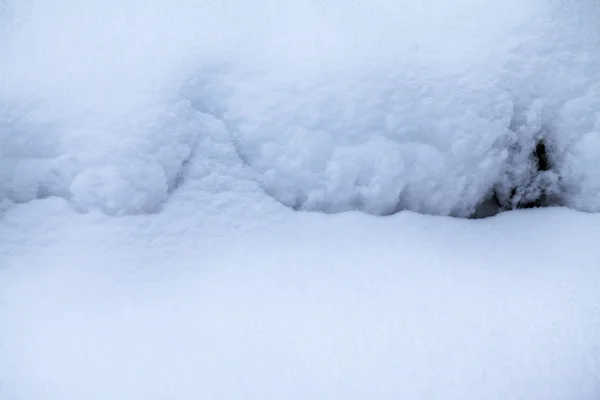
{"x":152,"y":155}
{"x":268,"y":303}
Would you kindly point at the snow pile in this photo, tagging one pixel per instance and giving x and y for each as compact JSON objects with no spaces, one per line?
{"x":122,"y":165}
{"x":579,"y":134}
{"x":382,"y":147}
{"x":375,"y":105}
{"x":101,"y":97}
{"x":552,"y":82}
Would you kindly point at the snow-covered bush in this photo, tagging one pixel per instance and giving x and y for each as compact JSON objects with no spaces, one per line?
{"x":375,"y":105}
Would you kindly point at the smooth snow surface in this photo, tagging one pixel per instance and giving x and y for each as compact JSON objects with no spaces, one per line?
{"x":377,"y":106}
{"x":259,"y":302}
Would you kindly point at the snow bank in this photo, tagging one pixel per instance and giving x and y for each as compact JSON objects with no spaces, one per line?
{"x":375,"y":105}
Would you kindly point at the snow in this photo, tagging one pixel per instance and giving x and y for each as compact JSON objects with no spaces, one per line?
{"x":218,"y":199}
{"x":298,"y":305}
{"x":373,"y":106}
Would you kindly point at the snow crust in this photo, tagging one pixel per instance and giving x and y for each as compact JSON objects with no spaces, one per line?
{"x":375,"y":105}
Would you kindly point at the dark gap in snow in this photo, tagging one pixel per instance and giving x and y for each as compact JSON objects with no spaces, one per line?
{"x":537,"y":192}
{"x":488,"y":208}
{"x":540,"y":157}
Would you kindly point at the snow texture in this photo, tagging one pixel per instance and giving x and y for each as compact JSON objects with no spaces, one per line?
{"x":377,"y":106}
{"x":152,"y":154}
{"x":233,"y":296}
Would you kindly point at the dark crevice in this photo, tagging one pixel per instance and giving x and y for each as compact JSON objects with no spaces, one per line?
{"x":541,"y":156}
{"x":540,"y":159}
{"x":542,"y":164}
{"x":520,"y":197}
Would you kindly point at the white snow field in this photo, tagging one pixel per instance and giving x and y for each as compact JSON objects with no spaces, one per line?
{"x":159,"y":159}
{"x":245,"y":299}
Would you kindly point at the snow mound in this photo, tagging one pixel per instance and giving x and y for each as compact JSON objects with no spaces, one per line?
{"x":121,"y":190}
{"x":579,"y":135}
{"x":373,"y":106}
{"x":119,"y":166}
{"x":378,"y":146}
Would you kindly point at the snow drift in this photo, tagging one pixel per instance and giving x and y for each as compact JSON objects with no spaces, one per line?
{"x":378,"y":106}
